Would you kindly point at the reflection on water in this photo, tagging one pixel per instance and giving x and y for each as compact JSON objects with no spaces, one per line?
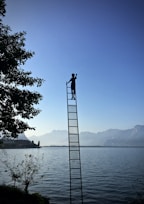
{"x":110,"y":175}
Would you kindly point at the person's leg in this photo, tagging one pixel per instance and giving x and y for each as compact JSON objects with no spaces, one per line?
{"x":72,"y":92}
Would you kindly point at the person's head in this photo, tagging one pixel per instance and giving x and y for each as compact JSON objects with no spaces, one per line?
{"x":73,"y":75}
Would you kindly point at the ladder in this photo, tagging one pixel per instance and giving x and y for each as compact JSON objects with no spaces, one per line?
{"x":76,"y":193}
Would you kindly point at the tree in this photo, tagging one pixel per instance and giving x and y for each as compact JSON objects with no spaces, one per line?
{"x":16,"y":102}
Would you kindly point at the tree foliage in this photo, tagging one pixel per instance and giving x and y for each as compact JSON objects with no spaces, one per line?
{"x":16,"y":102}
{"x":2,"y":7}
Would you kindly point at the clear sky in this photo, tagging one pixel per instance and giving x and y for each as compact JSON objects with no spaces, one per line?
{"x":100,"y":40}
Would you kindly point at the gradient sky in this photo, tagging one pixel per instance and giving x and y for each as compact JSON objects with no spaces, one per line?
{"x":100,"y":40}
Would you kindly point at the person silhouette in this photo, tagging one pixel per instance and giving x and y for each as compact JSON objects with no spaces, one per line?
{"x":73,"y":86}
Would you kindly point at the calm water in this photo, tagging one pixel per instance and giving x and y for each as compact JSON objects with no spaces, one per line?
{"x":110,"y":175}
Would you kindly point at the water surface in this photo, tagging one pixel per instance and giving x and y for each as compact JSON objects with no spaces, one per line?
{"x":110,"y":175}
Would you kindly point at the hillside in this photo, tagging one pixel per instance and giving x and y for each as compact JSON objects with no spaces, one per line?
{"x":111,"y":137}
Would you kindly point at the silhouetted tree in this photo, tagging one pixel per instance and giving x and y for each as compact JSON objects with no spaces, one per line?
{"x":16,"y":102}
{"x":2,"y":7}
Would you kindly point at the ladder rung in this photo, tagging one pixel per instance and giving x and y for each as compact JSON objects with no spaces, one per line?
{"x":77,"y":188}
{"x":73,"y":133}
{"x":75,"y":168}
{"x":74,"y":148}
{"x":74,"y":142}
{"x":74,"y":145}
{"x":72,"y":105}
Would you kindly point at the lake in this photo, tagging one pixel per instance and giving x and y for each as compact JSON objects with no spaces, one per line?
{"x":110,"y":175}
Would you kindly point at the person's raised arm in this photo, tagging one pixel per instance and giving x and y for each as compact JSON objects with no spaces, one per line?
{"x":68,"y":81}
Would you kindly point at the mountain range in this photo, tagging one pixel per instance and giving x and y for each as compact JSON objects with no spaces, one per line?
{"x":111,"y":137}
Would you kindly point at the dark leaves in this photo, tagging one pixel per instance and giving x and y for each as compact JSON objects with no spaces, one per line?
{"x":2,"y":7}
{"x":16,"y":103}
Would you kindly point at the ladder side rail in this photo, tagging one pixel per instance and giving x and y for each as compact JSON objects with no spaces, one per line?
{"x":68,"y":138}
{"x":79,"y":151}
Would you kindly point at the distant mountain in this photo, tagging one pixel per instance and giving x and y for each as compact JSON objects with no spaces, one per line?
{"x":22,"y":137}
{"x":115,"y":137}
{"x":56,"y":137}
{"x":111,"y":137}
{"x":130,"y":137}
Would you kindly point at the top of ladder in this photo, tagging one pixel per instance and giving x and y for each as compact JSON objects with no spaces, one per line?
{"x":70,"y":99}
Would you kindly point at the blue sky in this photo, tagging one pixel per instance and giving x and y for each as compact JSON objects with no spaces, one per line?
{"x":100,"y":40}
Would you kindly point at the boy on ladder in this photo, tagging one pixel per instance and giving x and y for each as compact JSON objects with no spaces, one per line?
{"x":73,"y":86}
